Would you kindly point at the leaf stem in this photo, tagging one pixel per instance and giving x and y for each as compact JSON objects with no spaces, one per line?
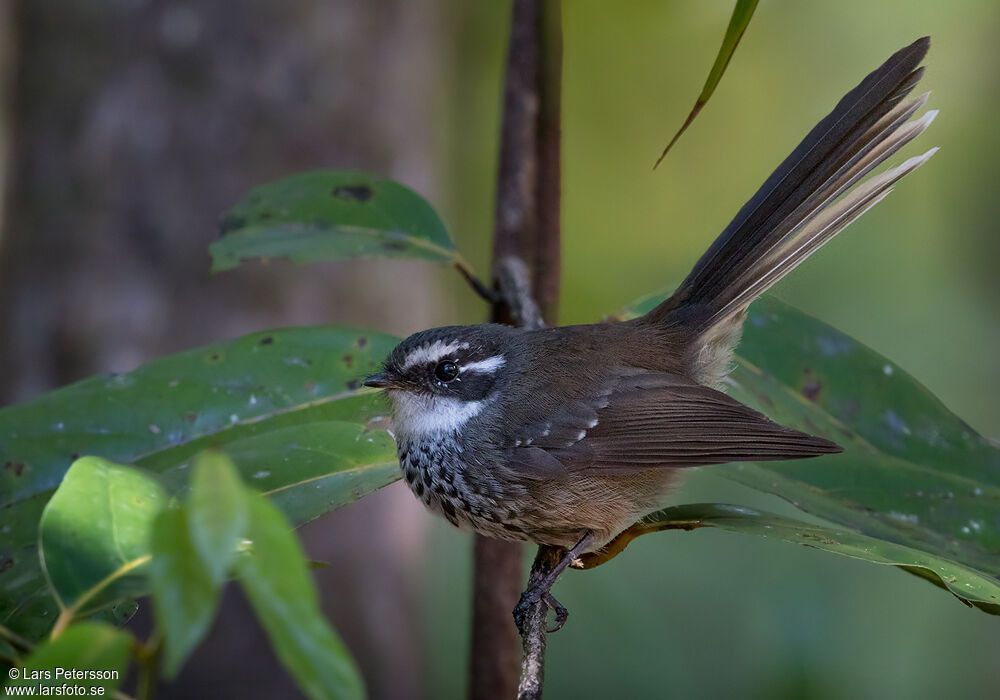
{"x":147,"y":657}
{"x":67,"y":614}
{"x":478,"y":286}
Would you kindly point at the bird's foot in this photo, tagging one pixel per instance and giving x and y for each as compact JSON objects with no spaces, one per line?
{"x":549,"y":563}
{"x":539,"y":593}
{"x":562,"y":614}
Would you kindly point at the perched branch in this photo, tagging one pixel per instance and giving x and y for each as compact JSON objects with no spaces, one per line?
{"x":514,"y":282}
{"x":533,"y":629}
{"x":525,"y":268}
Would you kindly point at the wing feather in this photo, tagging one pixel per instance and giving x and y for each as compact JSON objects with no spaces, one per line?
{"x":648,"y":420}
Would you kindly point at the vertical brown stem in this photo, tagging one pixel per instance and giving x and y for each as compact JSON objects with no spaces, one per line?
{"x":526,"y":227}
{"x":495,"y":652}
{"x":548,"y":266}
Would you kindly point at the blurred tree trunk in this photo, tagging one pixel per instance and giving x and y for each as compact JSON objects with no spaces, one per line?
{"x":135,"y":123}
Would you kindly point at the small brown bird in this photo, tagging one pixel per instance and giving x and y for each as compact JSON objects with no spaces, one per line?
{"x":567,"y":436}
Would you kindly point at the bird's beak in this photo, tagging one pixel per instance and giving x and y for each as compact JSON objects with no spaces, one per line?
{"x":380,"y":381}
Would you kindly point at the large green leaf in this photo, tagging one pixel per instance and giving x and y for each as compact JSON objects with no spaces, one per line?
{"x":97,"y":652}
{"x":972,"y":587}
{"x":912,"y":472}
{"x":233,"y":394}
{"x":302,"y":483}
{"x":166,"y":411}
{"x":330,"y":215}
{"x":276,"y":578}
{"x":94,"y":533}
{"x":738,"y":22}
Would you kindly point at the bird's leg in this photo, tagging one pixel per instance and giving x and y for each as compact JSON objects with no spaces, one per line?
{"x":540,"y":584}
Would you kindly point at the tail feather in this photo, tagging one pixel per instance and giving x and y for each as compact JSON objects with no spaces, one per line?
{"x":823,"y":222}
{"x":802,"y":205}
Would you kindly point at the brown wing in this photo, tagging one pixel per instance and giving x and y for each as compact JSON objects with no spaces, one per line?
{"x":651,"y":419}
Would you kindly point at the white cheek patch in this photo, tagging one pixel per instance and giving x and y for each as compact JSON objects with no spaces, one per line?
{"x":425,"y":415}
{"x":432,"y":353}
{"x":487,"y":366}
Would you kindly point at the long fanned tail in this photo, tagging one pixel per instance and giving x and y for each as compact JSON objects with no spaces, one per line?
{"x":806,"y":201}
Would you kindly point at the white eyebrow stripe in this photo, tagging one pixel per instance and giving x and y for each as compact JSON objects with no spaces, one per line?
{"x":490,"y":364}
{"x":432,"y":353}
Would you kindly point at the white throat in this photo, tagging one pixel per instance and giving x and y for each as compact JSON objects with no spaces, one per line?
{"x":418,"y":415}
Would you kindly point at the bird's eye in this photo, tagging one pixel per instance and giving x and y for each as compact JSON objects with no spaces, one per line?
{"x":446,"y":371}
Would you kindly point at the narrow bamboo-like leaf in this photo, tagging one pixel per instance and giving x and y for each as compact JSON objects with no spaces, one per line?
{"x":734,"y":32}
{"x":330,"y":215}
{"x":275,"y":575}
{"x":94,"y":533}
{"x":162,"y":414}
{"x":216,"y":513}
{"x":89,"y":657}
{"x":185,"y":596}
{"x":972,"y":587}
{"x":911,"y":473}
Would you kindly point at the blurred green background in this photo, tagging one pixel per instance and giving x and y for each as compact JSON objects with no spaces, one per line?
{"x":708,"y":614}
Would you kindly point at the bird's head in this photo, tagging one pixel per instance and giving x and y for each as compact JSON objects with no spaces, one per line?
{"x":440,"y":378}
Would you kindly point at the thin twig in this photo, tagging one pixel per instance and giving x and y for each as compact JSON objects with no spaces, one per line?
{"x":533,"y":629}
{"x":478,"y":286}
{"x":498,"y":563}
{"x":148,"y":657}
{"x":514,"y":281}
{"x":525,"y":268}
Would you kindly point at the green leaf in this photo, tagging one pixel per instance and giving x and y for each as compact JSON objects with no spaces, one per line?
{"x":164,"y":413}
{"x":94,"y":533}
{"x":968,"y":585}
{"x":185,"y":595}
{"x":331,"y":215}
{"x":193,"y":548}
{"x":216,"y":513}
{"x":275,"y":575}
{"x":312,"y":468}
{"x":87,"y":648}
{"x":911,"y":473}
{"x":734,"y":32}
{"x":168,"y":410}
{"x":27,"y":605}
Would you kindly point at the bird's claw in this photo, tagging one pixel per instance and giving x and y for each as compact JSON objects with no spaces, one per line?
{"x":562,"y":614}
{"x":529,"y":599}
